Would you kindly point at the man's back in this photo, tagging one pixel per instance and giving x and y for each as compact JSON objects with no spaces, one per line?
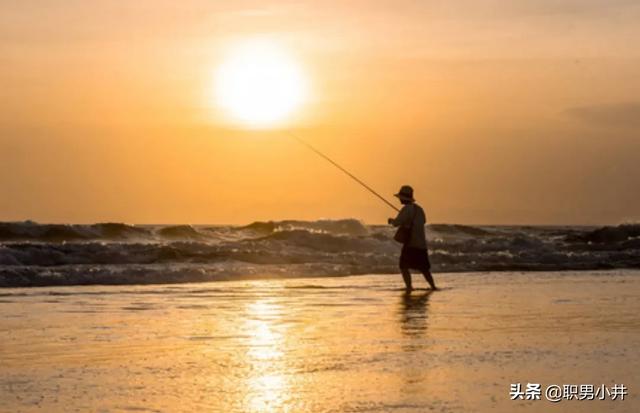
{"x":412,"y":215}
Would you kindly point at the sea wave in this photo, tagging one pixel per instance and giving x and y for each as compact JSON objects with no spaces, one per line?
{"x":29,"y":230}
{"x":53,"y":254}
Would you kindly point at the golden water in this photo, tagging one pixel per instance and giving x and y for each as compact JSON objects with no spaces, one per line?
{"x":353,"y":344}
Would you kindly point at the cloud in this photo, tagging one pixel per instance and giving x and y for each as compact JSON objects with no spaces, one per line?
{"x":621,"y":115}
{"x":573,"y":7}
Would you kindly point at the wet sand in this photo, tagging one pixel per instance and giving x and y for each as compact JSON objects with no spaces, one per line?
{"x":352,"y":344}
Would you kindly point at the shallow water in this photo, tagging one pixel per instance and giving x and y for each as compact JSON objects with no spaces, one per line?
{"x":352,"y":344}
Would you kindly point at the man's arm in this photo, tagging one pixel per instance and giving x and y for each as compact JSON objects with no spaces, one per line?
{"x":402,"y":219}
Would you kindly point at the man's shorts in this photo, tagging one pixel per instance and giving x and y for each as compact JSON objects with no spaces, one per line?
{"x":415,"y":258}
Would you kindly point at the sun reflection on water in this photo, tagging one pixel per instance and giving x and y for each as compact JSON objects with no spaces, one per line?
{"x":268,"y":388}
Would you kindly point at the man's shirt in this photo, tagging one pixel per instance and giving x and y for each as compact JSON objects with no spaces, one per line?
{"x":412,"y":215}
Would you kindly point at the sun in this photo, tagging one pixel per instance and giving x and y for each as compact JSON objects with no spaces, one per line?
{"x":259,"y":84}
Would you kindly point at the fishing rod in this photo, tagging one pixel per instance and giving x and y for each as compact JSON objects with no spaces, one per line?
{"x":352,"y":176}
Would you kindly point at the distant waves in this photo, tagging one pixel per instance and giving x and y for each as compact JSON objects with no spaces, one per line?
{"x":117,"y":253}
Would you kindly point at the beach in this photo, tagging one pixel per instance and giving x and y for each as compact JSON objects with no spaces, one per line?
{"x":333,"y":344}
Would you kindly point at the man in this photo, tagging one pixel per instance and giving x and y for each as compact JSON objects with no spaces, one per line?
{"x":414,"y":249}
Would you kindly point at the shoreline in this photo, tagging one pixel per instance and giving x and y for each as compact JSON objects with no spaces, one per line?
{"x":273,"y":277}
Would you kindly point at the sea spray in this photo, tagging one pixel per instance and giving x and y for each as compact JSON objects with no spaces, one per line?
{"x":118,"y":253}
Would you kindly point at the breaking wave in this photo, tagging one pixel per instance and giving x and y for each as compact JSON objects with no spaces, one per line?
{"x":118,"y":253}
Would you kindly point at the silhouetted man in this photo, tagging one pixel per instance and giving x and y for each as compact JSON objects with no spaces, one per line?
{"x":410,"y":221}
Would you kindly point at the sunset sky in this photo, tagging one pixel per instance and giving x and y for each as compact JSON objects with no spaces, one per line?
{"x":496,"y":112}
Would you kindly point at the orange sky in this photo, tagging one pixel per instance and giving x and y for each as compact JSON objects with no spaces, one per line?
{"x":496,"y":113}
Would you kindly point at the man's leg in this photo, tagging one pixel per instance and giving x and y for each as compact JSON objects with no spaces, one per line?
{"x":406,"y":276}
{"x":427,"y":276}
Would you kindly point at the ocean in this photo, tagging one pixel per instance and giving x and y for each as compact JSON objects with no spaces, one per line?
{"x":33,"y":254}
